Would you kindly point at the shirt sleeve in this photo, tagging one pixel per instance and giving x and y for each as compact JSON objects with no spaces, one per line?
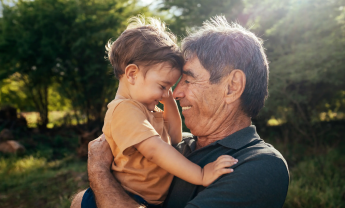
{"x":260,"y":183}
{"x":130,"y":125}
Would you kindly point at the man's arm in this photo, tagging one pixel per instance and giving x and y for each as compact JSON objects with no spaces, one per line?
{"x":260,"y":182}
{"x":108,"y":192}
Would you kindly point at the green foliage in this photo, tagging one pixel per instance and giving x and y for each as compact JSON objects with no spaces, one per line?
{"x":186,"y":14}
{"x":305,"y":45}
{"x":12,"y":94}
{"x":61,"y":43}
{"x":30,"y":43}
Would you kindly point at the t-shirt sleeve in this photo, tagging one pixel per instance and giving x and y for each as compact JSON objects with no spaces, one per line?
{"x":130,"y":125}
{"x":259,"y":184}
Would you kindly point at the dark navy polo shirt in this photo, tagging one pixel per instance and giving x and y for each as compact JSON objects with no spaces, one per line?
{"x":260,"y":178}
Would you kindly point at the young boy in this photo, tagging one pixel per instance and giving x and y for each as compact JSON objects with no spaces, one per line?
{"x":147,"y":62}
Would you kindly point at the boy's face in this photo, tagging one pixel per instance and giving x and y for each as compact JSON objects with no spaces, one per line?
{"x":152,"y":88}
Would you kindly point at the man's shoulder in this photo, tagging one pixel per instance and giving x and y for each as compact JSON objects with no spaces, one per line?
{"x":261,"y":174}
{"x":256,"y":150}
{"x":261,"y":152}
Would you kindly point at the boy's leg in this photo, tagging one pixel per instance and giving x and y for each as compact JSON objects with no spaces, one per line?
{"x":88,"y":199}
{"x":76,"y":199}
{"x":142,"y":201}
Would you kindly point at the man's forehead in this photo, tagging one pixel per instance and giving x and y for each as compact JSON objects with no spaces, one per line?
{"x":194,"y":68}
{"x":189,"y":72}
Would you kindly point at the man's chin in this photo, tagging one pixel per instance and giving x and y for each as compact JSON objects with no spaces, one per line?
{"x":192,"y":126}
{"x":187,"y":123}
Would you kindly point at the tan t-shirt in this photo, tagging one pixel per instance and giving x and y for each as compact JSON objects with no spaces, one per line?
{"x":127,"y":123}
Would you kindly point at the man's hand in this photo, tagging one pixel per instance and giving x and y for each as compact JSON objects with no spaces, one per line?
{"x":215,"y":169}
{"x":100,"y":157}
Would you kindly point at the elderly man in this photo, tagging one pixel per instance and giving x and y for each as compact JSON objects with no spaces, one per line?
{"x":224,"y":85}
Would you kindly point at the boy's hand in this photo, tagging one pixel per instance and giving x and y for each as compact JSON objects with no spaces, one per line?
{"x":169,"y":98}
{"x":217,"y":168}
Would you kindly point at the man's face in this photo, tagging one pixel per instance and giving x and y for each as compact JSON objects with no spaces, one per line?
{"x":201,"y":101}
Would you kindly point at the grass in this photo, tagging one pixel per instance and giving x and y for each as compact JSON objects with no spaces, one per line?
{"x":318,"y":181}
{"x":35,"y":182}
{"x":46,"y":175}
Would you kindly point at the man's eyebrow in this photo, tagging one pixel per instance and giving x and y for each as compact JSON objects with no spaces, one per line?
{"x":188,"y":73}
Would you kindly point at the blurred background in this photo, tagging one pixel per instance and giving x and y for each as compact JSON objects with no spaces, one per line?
{"x":55,"y":84}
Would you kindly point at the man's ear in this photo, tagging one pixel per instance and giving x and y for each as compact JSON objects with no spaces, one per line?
{"x":131,"y":72}
{"x":235,"y":84}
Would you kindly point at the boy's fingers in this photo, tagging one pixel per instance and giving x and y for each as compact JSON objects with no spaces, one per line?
{"x":225,"y":158}
{"x":225,"y":164}
{"x":224,"y":171}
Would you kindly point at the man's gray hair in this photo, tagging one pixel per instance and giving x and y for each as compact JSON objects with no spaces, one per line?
{"x":221,"y":47}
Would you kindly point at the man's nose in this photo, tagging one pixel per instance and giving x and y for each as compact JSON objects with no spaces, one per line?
{"x":178,"y":92}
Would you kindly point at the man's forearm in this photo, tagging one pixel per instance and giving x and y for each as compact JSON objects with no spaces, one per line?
{"x":108,"y":191}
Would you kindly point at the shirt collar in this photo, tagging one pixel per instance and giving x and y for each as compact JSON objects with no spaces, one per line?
{"x":240,"y":138}
{"x":236,"y":140}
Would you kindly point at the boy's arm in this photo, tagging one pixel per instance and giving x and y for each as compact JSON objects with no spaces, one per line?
{"x":172,"y":116}
{"x":164,"y":155}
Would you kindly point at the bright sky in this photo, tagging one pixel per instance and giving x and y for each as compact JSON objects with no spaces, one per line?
{"x":153,"y":3}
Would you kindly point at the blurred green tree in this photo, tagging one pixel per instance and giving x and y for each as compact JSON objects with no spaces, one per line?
{"x":188,"y":14}
{"x":305,"y":43}
{"x":62,"y":42}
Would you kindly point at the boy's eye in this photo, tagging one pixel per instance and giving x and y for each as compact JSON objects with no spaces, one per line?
{"x":163,"y":88}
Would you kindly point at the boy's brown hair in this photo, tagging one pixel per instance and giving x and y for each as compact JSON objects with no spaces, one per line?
{"x":144,"y":44}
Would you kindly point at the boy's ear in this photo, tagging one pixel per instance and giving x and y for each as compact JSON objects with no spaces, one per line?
{"x":235,"y":84}
{"x":131,"y":72}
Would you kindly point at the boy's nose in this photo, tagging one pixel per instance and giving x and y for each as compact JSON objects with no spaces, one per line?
{"x":166,"y":94}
